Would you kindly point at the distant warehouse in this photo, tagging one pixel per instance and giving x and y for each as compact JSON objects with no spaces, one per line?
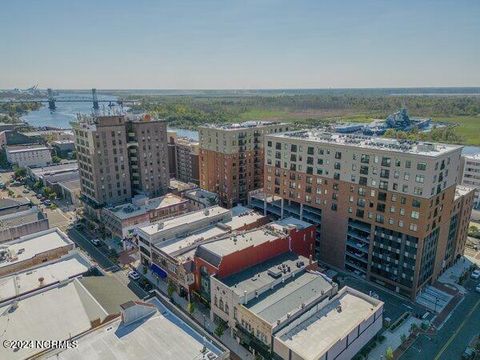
{"x":29,"y":155}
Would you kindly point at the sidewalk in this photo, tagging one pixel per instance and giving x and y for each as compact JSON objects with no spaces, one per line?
{"x":201,"y":315}
{"x":393,"y":339}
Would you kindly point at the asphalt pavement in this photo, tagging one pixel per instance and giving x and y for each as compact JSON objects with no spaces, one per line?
{"x":456,"y":333}
{"x":104,"y":262}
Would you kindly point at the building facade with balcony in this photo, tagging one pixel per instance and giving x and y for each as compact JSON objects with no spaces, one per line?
{"x":385,"y":208}
{"x":231,"y":158}
{"x":118,"y":157}
{"x":471,"y":175}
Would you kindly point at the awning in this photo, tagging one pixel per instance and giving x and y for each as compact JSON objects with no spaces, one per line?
{"x":158,"y":270}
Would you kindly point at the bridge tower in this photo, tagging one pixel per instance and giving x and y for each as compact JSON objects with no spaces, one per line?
{"x":95,"y":99}
{"x":51,"y":100}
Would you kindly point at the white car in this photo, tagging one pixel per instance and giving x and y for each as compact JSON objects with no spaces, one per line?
{"x":95,"y":242}
{"x":475,"y":274}
{"x":134,"y":275}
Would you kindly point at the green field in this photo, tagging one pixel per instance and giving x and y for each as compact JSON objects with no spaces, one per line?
{"x":468,"y":127}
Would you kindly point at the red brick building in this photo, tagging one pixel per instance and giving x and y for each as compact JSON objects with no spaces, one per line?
{"x":234,"y":253}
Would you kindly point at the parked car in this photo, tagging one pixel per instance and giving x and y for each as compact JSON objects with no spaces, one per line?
{"x":25,"y":191}
{"x":47,"y":202}
{"x":134,"y":275}
{"x":475,"y":274}
{"x":95,"y":242}
{"x":38,"y":196}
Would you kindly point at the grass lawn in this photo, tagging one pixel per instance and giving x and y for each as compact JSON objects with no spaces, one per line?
{"x":468,"y":128}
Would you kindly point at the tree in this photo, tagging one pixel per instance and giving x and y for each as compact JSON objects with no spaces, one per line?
{"x":20,"y":173}
{"x":56,"y":159}
{"x":220,"y":329}
{"x":389,"y":354}
{"x":170,"y":288}
{"x":38,"y":185}
{"x":191,"y":308}
{"x":413,"y":327}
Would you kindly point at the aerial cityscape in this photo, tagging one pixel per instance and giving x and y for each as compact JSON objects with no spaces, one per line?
{"x":250,"y":180}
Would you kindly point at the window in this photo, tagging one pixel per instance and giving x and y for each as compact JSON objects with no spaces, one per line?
{"x":365,"y":159}
{"x":386,"y":161}
{"x":419,"y":178}
{"x":338,"y":155}
{"x":385,"y":173}
{"x":413,"y":227}
{"x":416,"y":203}
{"x":417,"y":191}
{"x":408,"y":164}
{"x":415,"y":214}
{"x":422,"y":166}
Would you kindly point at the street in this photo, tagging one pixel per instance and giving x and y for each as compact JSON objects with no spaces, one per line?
{"x":452,"y":339}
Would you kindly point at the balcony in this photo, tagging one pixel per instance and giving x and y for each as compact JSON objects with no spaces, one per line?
{"x":358,"y":256}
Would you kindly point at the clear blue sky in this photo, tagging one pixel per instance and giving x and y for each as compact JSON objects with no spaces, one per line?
{"x":206,"y":44}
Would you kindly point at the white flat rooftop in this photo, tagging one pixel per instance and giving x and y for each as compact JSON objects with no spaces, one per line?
{"x":129,"y":210}
{"x":54,"y":314}
{"x":25,"y":148}
{"x":369,"y":142}
{"x":28,"y":246}
{"x":290,"y":222}
{"x":241,"y":217}
{"x":240,"y":126}
{"x":160,"y":336}
{"x":315,"y":335}
{"x":69,"y":266}
{"x":462,"y":190}
{"x":233,"y":243}
{"x":170,"y":247}
{"x":191,"y":217}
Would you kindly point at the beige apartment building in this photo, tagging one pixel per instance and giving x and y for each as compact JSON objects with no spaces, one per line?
{"x":231,"y":158}
{"x":389,"y":210}
{"x":183,"y":158}
{"x":119,"y":157}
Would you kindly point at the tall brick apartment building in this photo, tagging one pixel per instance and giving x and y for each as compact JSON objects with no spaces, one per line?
{"x":391,"y":211}
{"x":120,"y":156}
{"x":231,"y":158}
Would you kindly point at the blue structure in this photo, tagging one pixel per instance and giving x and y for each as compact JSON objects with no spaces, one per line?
{"x":397,"y":121}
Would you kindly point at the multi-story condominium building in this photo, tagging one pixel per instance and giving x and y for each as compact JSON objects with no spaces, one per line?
{"x":119,"y":156}
{"x":187,"y":160}
{"x":183,"y":155}
{"x":172,"y":156}
{"x":388,"y":210}
{"x":471,"y":174}
{"x":29,"y":155}
{"x":231,"y":158}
